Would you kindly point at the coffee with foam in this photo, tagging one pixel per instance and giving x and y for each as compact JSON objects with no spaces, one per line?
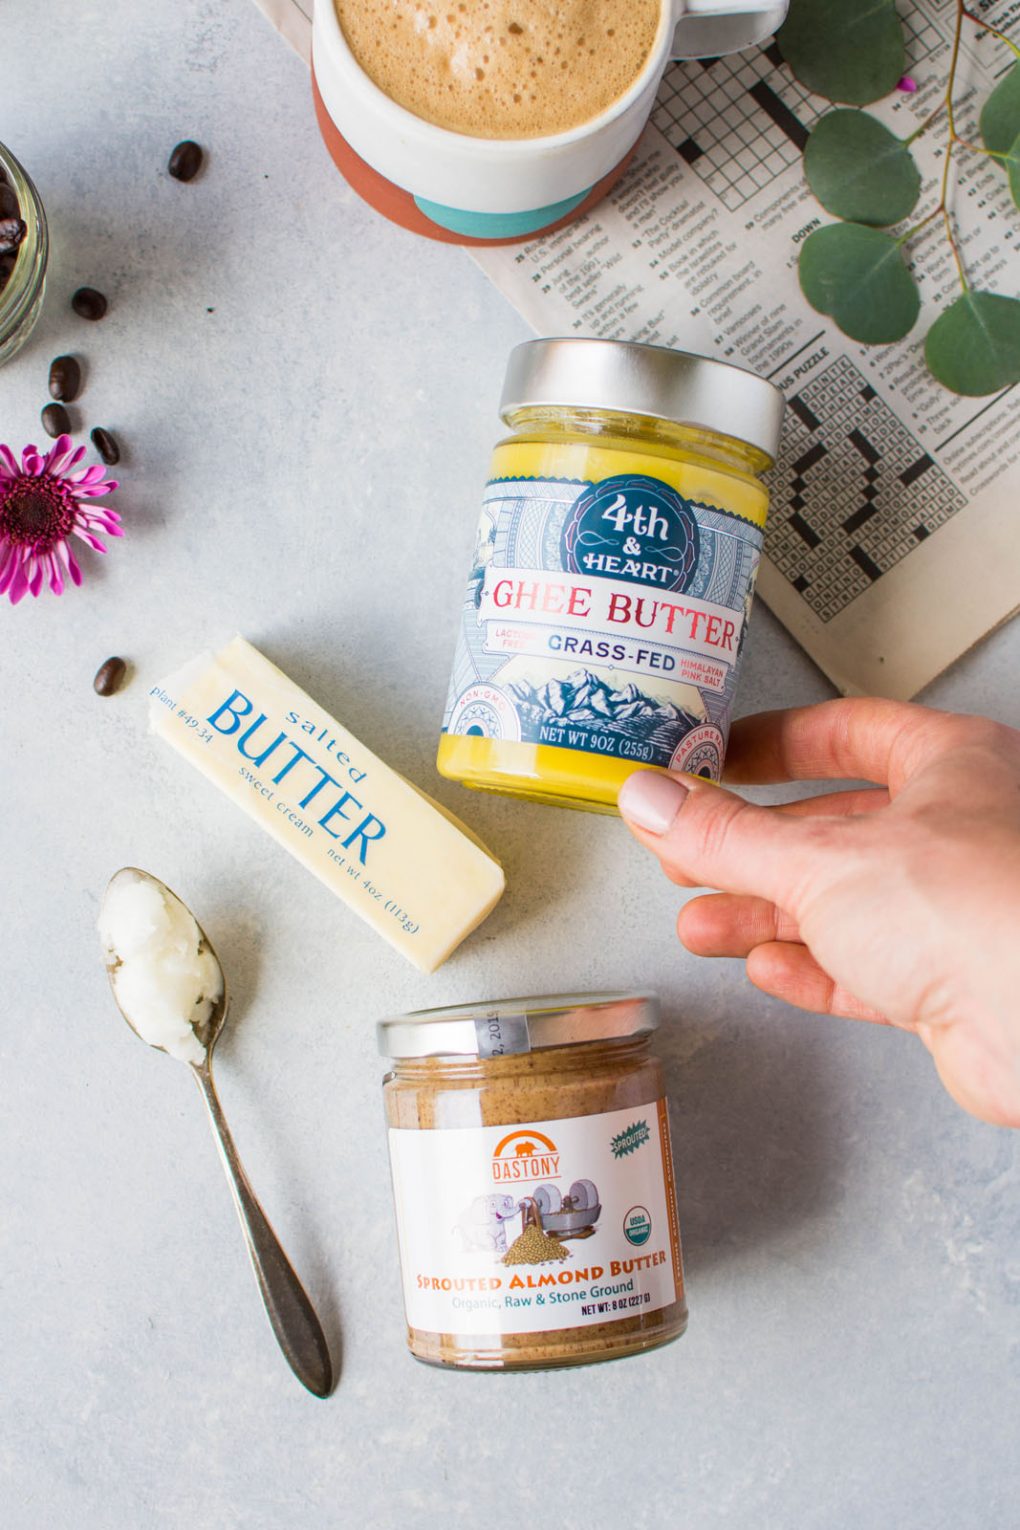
{"x":502,"y":68}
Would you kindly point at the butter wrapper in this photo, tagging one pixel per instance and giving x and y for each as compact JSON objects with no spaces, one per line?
{"x":406,"y":866}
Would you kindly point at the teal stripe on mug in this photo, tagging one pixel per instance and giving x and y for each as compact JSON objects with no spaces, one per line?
{"x":476,"y":225}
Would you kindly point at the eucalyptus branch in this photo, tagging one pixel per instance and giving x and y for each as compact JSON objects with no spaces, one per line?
{"x":945,"y":105}
{"x":918,"y":228}
{"x":856,"y":270}
{"x":928,"y":122}
{"x":979,"y":21}
{"x":961,"y":11}
{"x":979,"y":148}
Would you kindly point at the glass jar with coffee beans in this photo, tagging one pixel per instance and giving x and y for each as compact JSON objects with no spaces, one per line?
{"x":24,"y":247}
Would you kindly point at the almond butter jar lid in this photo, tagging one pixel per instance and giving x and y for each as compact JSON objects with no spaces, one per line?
{"x":509,"y":1026}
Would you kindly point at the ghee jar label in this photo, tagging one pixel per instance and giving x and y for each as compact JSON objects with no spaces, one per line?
{"x":606,"y":617}
{"x":528,"y":1228}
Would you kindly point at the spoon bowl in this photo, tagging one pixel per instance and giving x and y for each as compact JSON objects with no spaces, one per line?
{"x":207,"y":1030}
{"x":178,"y":1005}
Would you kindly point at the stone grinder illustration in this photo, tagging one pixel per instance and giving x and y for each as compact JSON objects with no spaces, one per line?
{"x":483,"y":1225}
{"x":568,"y":1216}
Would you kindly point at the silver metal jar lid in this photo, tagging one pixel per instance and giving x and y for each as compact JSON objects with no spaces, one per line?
{"x":517,"y":1025}
{"x":649,"y":380}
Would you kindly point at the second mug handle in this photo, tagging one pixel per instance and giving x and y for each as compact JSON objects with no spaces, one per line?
{"x":710,"y":28}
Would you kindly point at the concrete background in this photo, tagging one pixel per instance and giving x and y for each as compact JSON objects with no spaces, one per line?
{"x":306,"y":400}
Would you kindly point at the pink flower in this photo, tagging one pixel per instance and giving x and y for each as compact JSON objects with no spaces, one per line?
{"x":42,"y":503}
{"x":907,"y":84}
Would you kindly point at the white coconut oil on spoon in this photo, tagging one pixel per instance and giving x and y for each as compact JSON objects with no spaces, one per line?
{"x":168,"y":984}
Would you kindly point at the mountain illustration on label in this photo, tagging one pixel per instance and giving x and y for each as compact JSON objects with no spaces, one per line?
{"x":587,"y":702}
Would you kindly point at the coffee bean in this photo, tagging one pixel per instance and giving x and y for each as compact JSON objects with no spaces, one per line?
{"x":7,"y":264}
{"x":109,"y":677}
{"x":56,"y":420}
{"x":65,"y":379}
{"x":105,"y":445}
{"x":12,"y":232}
{"x":185,"y":161}
{"x":8,"y":201}
{"x":88,"y":303}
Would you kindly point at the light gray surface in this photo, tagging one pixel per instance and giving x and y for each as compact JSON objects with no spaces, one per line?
{"x":302,"y":465}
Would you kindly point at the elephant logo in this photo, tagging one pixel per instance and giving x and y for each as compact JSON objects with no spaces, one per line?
{"x":523,"y":1156}
{"x":482,"y":1224}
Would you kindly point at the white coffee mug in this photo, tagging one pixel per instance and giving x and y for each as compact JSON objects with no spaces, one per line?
{"x":467,"y":190}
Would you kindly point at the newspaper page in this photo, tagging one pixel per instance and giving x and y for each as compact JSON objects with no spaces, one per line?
{"x":894,"y":536}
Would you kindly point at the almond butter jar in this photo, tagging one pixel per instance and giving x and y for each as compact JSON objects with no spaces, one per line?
{"x":533,"y":1181}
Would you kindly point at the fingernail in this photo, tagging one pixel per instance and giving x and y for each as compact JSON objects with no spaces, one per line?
{"x":651,"y":800}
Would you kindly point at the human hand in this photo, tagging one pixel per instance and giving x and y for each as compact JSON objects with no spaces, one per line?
{"x":897,"y":903}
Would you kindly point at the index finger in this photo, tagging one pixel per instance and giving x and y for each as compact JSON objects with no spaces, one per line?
{"x":853,"y":739}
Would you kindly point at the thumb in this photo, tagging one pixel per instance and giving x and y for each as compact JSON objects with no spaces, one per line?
{"x":708,"y":837}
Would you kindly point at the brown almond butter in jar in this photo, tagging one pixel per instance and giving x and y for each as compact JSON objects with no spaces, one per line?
{"x":533,"y":1181}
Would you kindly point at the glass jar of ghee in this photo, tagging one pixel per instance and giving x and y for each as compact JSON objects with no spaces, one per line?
{"x":613,"y":571}
{"x":22,"y":273}
{"x":533,"y":1182}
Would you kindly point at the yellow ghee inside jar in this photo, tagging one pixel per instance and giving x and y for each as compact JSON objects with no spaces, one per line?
{"x":613,"y":573}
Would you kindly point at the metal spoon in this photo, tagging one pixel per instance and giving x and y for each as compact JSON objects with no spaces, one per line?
{"x":298,"y":1330}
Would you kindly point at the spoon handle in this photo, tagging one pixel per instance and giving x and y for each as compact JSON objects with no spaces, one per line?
{"x":298,"y":1330}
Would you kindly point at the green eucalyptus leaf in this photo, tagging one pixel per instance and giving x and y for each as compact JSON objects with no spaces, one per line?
{"x":1013,"y":168}
{"x":974,"y":346}
{"x":847,"y":50}
{"x":860,"y":171}
{"x":1000,"y":115}
{"x":857,"y":274}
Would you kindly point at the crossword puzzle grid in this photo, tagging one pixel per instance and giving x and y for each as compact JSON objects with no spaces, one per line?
{"x":852,"y":493}
{"x":739,"y":121}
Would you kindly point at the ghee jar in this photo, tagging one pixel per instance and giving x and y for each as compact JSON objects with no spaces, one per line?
{"x":533,"y":1182}
{"x":613,"y":571}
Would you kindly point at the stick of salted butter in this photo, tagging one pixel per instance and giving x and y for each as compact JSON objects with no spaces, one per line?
{"x":410,"y":869}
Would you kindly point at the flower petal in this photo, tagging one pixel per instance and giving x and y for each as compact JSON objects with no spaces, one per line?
{"x":70,"y":563}
{"x":60,"y":447}
{"x":56,"y":577}
{"x":91,"y":474}
{"x":86,"y":536}
{"x":100,"y":516}
{"x":19,"y":585}
{"x":9,"y":460}
{"x":92,"y":490}
{"x":60,"y":464}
